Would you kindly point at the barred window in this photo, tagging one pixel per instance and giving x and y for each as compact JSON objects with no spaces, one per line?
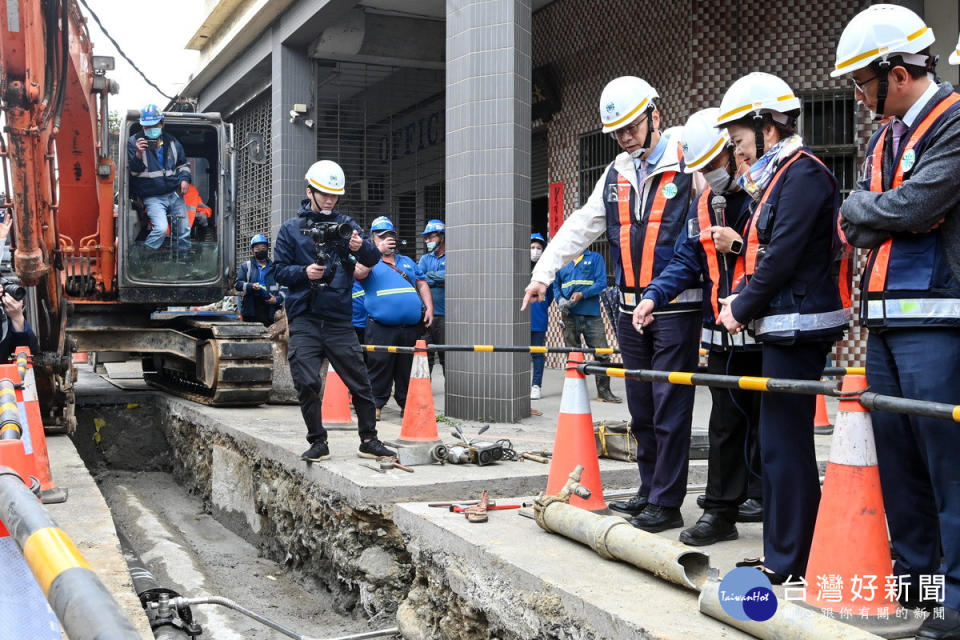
{"x":828,"y":125}
{"x":597,"y":150}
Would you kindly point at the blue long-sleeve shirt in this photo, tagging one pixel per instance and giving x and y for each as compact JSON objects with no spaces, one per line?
{"x":434,"y":270}
{"x":539,"y":313}
{"x":588,"y":275}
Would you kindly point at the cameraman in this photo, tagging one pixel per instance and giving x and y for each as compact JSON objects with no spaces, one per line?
{"x":319,"y":308}
{"x":15,"y":331}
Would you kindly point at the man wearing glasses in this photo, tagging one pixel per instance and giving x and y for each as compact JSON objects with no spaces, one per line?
{"x":641,"y":201}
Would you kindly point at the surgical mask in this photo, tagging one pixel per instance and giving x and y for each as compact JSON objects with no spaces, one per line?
{"x":326,"y":212}
{"x":260,"y":255}
{"x":636,"y":154}
{"x":535,"y":254}
{"x":719,"y":180}
{"x":431,"y":245}
{"x":152,"y":132}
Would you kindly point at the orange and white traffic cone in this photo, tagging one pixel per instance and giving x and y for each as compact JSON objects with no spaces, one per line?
{"x":335,"y":409}
{"x":850,"y":546}
{"x":821,"y":422}
{"x":50,"y":493}
{"x":419,"y":417}
{"x":575,"y":443}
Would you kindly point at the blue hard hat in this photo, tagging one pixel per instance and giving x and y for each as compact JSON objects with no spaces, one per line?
{"x":434,"y":226}
{"x":382,"y":224}
{"x":259,"y":239}
{"x":538,"y":237}
{"x":150,"y":115}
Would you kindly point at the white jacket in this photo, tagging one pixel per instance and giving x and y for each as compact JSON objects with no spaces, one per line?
{"x":587,"y":223}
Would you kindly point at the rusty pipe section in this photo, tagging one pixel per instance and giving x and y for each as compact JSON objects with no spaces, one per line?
{"x":790,"y":622}
{"x":614,"y":538}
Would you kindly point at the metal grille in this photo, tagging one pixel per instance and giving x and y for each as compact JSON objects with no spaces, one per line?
{"x":828,"y":125}
{"x":385,"y":126}
{"x":254,"y":181}
{"x":597,"y":150}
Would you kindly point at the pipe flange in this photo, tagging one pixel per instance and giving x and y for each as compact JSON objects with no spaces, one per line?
{"x":540,"y":505}
{"x":602,"y":531}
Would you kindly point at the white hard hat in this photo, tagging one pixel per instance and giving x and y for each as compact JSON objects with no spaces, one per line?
{"x":326,"y":176}
{"x":756,"y":93}
{"x":955,"y":56}
{"x":877,"y":32}
{"x":622,"y":100}
{"x":702,"y":140}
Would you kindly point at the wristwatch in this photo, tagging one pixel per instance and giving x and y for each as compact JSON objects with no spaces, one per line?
{"x":736,"y":247}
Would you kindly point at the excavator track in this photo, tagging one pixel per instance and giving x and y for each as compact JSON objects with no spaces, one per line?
{"x":235,"y":367}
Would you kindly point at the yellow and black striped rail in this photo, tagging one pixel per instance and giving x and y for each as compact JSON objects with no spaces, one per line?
{"x":486,"y":348}
{"x":83,"y":605}
{"x":870,"y":400}
{"x":10,"y":427}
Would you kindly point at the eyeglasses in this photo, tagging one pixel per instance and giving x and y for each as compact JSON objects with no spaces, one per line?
{"x":629,"y":130}
{"x":860,"y":85}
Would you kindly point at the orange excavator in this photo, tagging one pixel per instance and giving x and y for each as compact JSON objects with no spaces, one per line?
{"x":78,"y":235}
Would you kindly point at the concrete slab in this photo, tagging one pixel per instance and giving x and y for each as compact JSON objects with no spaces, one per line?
{"x":86,"y":519}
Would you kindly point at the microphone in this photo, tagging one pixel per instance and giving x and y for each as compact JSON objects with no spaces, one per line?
{"x":719,"y":204}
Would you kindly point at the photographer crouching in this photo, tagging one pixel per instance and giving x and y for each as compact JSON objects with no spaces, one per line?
{"x":315,"y":255}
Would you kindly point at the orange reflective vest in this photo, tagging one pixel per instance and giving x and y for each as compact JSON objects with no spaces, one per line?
{"x":918,"y":306}
{"x":195,"y":205}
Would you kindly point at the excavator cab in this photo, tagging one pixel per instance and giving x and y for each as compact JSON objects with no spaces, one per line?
{"x":189,"y":269}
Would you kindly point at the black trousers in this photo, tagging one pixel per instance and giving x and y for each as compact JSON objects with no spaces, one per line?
{"x":434,"y":335}
{"x":390,"y":369}
{"x":734,"y":456}
{"x":312,"y":340}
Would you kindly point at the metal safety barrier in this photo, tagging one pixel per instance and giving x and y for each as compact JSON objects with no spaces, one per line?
{"x":486,"y":348}
{"x":81,"y":602}
{"x":870,"y":400}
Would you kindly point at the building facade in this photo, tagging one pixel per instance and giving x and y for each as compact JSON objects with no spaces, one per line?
{"x":484,"y":114}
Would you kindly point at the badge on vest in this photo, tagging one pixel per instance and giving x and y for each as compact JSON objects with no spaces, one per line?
{"x":669,"y":191}
{"x":908,"y":160}
{"x":612,"y":195}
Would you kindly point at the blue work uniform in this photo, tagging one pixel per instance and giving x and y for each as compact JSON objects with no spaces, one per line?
{"x":359,"y":312}
{"x":434,"y":270}
{"x":539,"y":322}
{"x":253,"y":305}
{"x":394,"y":311}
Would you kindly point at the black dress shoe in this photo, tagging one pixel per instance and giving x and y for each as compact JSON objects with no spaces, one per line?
{"x":946,"y":628}
{"x":750,"y":510}
{"x":655,"y":518}
{"x":909,"y":598}
{"x":710,"y":529}
{"x":633,"y":506}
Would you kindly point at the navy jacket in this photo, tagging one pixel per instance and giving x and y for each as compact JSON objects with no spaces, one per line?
{"x":794,"y":295}
{"x":13,"y":339}
{"x":248,"y":274}
{"x":294,"y":251}
{"x":151,"y":178}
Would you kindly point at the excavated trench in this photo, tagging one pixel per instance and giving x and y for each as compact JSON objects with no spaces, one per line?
{"x":303,"y":559}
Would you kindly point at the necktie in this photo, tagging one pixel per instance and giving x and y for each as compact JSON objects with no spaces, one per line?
{"x":899,"y":128}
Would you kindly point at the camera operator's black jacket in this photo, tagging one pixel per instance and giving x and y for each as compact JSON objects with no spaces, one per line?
{"x":293,"y":251}
{"x":13,"y":339}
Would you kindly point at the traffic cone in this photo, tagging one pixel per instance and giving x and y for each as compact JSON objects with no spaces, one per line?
{"x":821,"y":422}
{"x":419,"y":417}
{"x":335,"y":409}
{"x":575,"y":443}
{"x":850,"y":539}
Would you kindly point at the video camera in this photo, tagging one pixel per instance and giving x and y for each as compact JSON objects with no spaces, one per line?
{"x":328,"y":238}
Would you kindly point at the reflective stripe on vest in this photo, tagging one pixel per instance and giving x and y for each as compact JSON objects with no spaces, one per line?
{"x":787,"y":323}
{"x":624,"y":189}
{"x":880,"y":258}
{"x":914,"y":308}
{"x":715,"y":337}
{"x":653,"y":229}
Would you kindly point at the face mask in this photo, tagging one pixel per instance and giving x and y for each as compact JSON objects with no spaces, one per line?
{"x":260,"y":255}
{"x":152,"y":132}
{"x":431,"y":246}
{"x":535,"y":254}
{"x":719,"y":180}
{"x":636,"y":154}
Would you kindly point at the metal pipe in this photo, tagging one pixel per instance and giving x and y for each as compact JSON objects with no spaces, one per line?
{"x":614,"y":538}
{"x":790,"y":622}
{"x":877,"y":402}
{"x":83,"y":605}
{"x":486,"y":348}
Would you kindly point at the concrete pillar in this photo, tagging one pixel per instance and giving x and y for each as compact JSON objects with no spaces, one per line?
{"x":294,"y":146}
{"x":488,"y":205}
